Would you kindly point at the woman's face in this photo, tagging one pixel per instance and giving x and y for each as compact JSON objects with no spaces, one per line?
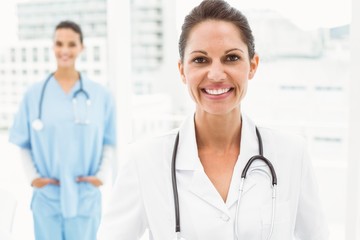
{"x":67,"y":47}
{"x":216,"y":67}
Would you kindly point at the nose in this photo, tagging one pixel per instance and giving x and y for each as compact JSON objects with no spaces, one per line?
{"x":64,"y":50}
{"x":216,"y":72}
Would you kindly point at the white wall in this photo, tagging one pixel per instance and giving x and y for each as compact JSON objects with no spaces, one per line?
{"x":353,"y":201}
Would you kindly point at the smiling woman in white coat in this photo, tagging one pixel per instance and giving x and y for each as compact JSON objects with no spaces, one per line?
{"x":199,"y":168}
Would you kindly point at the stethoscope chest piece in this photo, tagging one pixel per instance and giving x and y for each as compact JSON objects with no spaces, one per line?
{"x":37,"y":125}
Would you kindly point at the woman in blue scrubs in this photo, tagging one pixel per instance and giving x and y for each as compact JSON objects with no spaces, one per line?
{"x":65,"y":129}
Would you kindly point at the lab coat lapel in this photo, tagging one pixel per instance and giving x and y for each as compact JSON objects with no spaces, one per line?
{"x":187,"y":154}
{"x":248,"y":148}
{"x":188,"y":160}
{"x":202,"y":187}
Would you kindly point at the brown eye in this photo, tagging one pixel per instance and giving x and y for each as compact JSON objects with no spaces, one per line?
{"x":199,"y":60}
{"x":232,"y":58}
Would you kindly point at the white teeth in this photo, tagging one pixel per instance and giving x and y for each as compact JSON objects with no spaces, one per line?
{"x":217,"y":91}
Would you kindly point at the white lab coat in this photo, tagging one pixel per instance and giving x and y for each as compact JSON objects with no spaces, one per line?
{"x":143,"y":196}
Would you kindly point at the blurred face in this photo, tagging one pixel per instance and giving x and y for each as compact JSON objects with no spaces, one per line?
{"x":216,"y":67}
{"x":67,"y":47}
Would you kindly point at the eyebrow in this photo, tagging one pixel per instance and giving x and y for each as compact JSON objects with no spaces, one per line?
{"x":199,"y":51}
{"x":234,"y":49}
{"x":60,"y":42}
{"x":226,"y":52}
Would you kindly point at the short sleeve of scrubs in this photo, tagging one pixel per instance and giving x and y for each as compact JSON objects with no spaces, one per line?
{"x":20,"y":131}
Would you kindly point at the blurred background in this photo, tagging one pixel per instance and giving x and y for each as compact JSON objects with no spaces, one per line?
{"x":302,"y":84}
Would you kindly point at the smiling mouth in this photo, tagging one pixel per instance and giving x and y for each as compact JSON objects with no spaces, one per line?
{"x":216,"y":92}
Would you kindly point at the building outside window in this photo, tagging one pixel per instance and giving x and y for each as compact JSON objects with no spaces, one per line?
{"x":23,"y":55}
{"x":96,"y":52}
{"x":35,"y":54}
{"x":46,"y":54}
{"x":12,"y":55}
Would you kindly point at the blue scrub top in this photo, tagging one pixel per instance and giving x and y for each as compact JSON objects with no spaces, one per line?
{"x":63,"y":149}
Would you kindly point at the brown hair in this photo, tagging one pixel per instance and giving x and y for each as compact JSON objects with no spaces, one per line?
{"x":70,"y":25}
{"x":216,"y":10}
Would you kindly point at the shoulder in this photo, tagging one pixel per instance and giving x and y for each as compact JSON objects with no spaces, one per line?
{"x":287,"y":151}
{"x":285,"y":144}
{"x":98,"y":92}
{"x":95,"y":86}
{"x":282,"y":138}
{"x":37,"y":86}
{"x":278,"y":139}
{"x":150,"y":143}
{"x":34,"y":90}
{"x":153,"y":149}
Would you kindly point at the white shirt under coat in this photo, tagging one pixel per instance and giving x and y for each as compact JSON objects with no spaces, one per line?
{"x":143,"y":197}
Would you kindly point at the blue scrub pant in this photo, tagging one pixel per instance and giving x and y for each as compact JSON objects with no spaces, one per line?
{"x":59,"y":228}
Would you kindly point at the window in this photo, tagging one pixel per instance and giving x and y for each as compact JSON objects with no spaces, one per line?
{"x":12,"y":55}
{"x":35,"y":54}
{"x":23,"y":55}
{"x":96,"y":52}
{"x":292,"y":87}
{"x":329,"y":88}
{"x":46,"y":54}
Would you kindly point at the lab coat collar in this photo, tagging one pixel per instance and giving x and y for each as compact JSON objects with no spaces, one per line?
{"x":187,"y":155}
{"x":187,"y":159}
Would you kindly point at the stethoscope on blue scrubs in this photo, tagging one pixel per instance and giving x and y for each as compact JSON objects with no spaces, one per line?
{"x":243,"y":177}
{"x":38,"y":124}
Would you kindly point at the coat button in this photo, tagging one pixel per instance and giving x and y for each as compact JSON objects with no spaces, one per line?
{"x":225,"y":217}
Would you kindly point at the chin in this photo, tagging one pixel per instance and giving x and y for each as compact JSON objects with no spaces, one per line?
{"x":221,"y":110}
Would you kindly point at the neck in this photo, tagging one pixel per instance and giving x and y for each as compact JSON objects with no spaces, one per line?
{"x":66,"y":75}
{"x":218,"y":132}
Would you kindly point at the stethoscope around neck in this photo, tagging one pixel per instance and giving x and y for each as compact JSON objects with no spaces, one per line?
{"x":38,"y":123}
{"x":241,"y":189}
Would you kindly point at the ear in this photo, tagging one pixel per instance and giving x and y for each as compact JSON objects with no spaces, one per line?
{"x":254,"y":62}
{"x":181,"y":71}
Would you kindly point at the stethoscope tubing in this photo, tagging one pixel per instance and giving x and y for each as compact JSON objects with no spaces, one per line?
{"x":174,"y":185}
{"x":43,"y":90}
{"x":42,"y":95}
